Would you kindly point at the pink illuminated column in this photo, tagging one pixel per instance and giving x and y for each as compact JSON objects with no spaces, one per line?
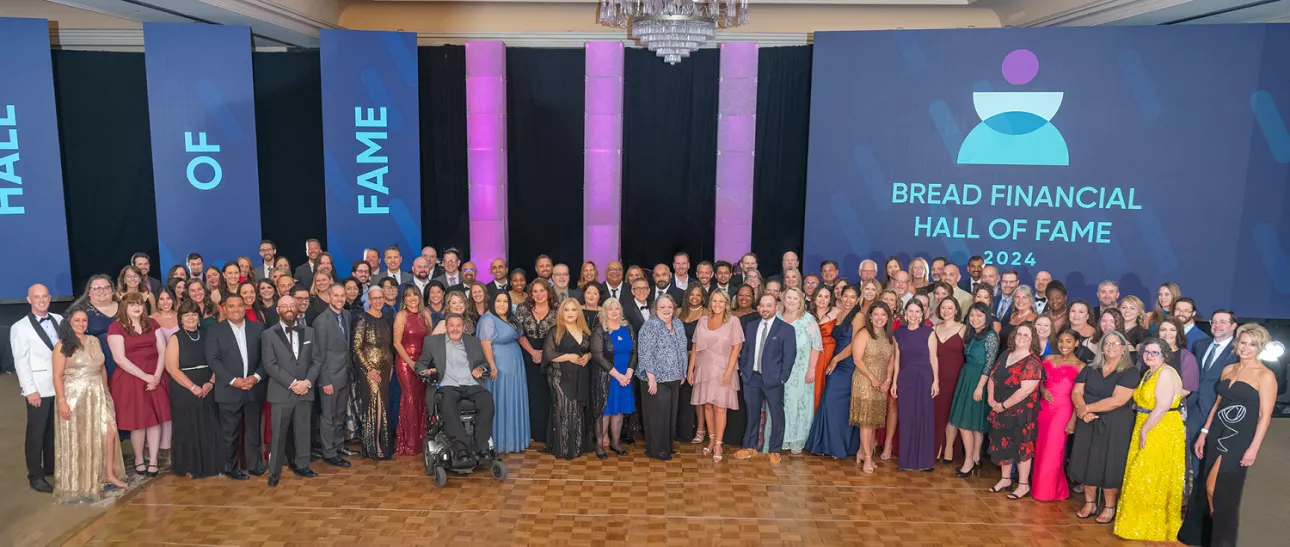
{"x":736,"y":135}
{"x":603,"y":158}
{"x":486,"y":148}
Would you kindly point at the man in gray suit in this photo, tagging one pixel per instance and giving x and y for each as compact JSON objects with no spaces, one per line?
{"x":393,"y":261}
{"x":233,"y":353}
{"x":458,"y":358}
{"x":293,"y":366}
{"x":331,"y":332}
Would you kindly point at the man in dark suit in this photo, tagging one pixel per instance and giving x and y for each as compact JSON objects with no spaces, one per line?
{"x":975,"y":267}
{"x":331,"y":334}
{"x":704,"y":274}
{"x":293,"y":367}
{"x":1185,"y":311}
{"x":637,"y":308}
{"x":614,"y":286}
{"x":268,"y":255}
{"x":560,"y":287}
{"x":144,"y":263}
{"x":458,"y":360}
{"x":1212,"y":356}
{"x":765,"y":364}
{"x":663,"y":285}
{"x":233,"y":352}
{"x":500,"y":283}
{"x":1108,"y":297}
{"x":451,"y":277}
{"x":747,"y":263}
{"x":393,"y":261}
{"x":724,"y":279}
{"x":432,"y":261}
{"x":305,"y":273}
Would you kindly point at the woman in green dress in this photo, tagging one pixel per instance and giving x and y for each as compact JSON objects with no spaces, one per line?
{"x":968,"y":411}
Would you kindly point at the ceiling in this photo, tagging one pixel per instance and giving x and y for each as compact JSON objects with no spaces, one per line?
{"x":558,"y":23}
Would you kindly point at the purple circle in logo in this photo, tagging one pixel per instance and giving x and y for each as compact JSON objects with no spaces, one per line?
{"x":1020,"y":67}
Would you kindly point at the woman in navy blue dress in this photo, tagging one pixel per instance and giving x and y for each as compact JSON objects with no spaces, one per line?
{"x":831,"y":431}
{"x":499,"y":334}
{"x":915,"y":388}
{"x":614,"y":354}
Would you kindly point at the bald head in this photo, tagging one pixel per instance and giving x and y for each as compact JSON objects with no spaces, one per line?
{"x":950,"y":274}
{"x":38,"y":297}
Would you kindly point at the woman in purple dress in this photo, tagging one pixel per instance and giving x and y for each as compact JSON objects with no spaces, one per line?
{"x":915,"y":387}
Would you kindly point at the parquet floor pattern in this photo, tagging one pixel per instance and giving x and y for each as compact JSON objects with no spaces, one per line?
{"x":631,"y":500}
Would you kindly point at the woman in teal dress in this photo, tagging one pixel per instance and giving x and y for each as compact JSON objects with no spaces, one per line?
{"x":799,"y":391}
{"x":968,"y":411}
{"x":508,"y":383}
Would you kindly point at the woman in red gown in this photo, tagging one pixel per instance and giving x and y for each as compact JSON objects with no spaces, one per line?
{"x":410,"y":328}
{"x":949,"y":360}
{"x":827,"y":316}
{"x":139,"y":383}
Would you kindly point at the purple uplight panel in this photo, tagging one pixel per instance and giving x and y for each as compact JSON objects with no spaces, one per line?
{"x":603,"y":158}
{"x":736,"y":136}
{"x":486,"y":148}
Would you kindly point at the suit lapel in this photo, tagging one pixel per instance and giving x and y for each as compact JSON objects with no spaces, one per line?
{"x":40,"y":331}
{"x":283,"y":336}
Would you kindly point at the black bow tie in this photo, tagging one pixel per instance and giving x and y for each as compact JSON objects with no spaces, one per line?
{"x":46,"y":318}
{"x":643,"y":308}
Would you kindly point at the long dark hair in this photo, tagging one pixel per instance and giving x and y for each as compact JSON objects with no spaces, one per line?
{"x":972,"y":333}
{"x":887,"y":330}
{"x":510,"y":317}
{"x":66,"y":336}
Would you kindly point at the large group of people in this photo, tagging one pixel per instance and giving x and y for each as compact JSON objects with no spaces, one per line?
{"x":1133,"y":406}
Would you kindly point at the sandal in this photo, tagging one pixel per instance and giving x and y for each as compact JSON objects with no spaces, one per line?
{"x":1014,"y":496}
{"x":868,"y":466}
{"x":141,"y":470}
{"x":1101,"y":520}
{"x":1082,"y":515}
{"x":1000,"y":488}
{"x":699,"y":436}
{"x":716,"y":453}
{"x":152,"y":470}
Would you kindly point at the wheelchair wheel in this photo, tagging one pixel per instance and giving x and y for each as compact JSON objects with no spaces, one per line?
{"x":440,"y":477}
{"x":499,"y":470}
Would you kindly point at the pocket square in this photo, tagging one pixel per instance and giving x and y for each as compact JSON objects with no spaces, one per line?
{"x":307,"y":342}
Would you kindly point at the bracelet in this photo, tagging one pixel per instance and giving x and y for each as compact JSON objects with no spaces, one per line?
{"x":1204,"y":431}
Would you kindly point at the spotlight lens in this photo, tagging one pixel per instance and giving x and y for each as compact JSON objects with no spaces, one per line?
{"x":1272,"y":352}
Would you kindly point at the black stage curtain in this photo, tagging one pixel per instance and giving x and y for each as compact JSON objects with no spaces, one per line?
{"x":669,"y":157}
{"x":102,"y":101}
{"x":289,"y":148}
{"x":779,"y":166}
{"x":445,"y":213}
{"x":545,"y":94}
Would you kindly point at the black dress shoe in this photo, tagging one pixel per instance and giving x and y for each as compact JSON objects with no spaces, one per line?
{"x":236,"y":475}
{"x":304,"y":472}
{"x":256,"y":472}
{"x":273,"y":480}
{"x":41,"y":485}
{"x":346,"y":452}
{"x":336,"y":461}
{"x":618,"y":451}
{"x":600,"y":453}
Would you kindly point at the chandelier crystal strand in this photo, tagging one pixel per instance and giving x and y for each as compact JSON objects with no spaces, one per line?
{"x":672,"y":29}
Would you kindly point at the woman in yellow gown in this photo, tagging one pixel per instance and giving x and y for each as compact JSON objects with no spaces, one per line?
{"x":1151,"y":500}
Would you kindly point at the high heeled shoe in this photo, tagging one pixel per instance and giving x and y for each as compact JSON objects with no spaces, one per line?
{"x":965,"y":474}
{"x":716,"y":453}
{"x":699,"y":437}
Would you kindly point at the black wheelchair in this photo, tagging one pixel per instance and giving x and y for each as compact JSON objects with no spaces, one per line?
{"x":438,"y":453}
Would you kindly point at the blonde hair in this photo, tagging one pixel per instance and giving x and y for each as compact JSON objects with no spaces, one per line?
{"x":579,"y":322}
{"x":608,"y":304}
{"x":802,"y":307}
{"x":1142,"y":310}
{"x":927,"y":270}
{"x":1257,"y":333}
{"x":725,"y":316}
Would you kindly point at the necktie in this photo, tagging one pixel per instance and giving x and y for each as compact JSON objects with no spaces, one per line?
{"x":761,"y":343}
{"x":1210,"y":354}
{"x":340,"y":320}
{"x":613,"y":293}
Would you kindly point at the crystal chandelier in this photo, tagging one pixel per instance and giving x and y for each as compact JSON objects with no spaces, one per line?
{"x":673,"y":28}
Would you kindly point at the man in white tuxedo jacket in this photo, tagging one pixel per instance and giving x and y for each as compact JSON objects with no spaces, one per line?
{"x":32,"y":339}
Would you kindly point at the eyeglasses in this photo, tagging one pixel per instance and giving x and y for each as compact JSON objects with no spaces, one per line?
{"x":1113,"y":343}
{"x":1152,"y":352}
{"x":100,"y":288}
{"x":468,"y":270}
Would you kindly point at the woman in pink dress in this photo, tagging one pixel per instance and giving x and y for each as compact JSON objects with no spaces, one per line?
{"x":1056,"y":420}
{"x":713,"y":370}
{"x":410,"y":328}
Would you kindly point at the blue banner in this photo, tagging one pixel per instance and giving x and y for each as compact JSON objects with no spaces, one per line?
{"x":1136,"y":154}
{"x":33,"y":220}
{"x":371,"y":142}
{"x":201,"y":105}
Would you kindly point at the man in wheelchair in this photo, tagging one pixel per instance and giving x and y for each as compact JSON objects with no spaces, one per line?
{"x":457,"y":360}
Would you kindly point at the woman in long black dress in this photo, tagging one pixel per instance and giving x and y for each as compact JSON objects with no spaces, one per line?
{"x":536,"y":318}
{"x":689,"y":419}
{"x":1104,"y":419}
{"x":373,"y":345}
{"x":196,"y":450}
{"x":1229,"y":443}
{"x":745,"y":304}
{"x":566,"y":353}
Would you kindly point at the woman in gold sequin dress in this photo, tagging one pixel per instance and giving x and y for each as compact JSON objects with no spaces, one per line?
{"x":1151,"y":498}
{"x":872,"y":378}
{"x":373,"y":356}
{"x":87,"y":461}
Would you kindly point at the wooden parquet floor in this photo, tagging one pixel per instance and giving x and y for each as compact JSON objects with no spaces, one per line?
{"x":631,"y":500}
